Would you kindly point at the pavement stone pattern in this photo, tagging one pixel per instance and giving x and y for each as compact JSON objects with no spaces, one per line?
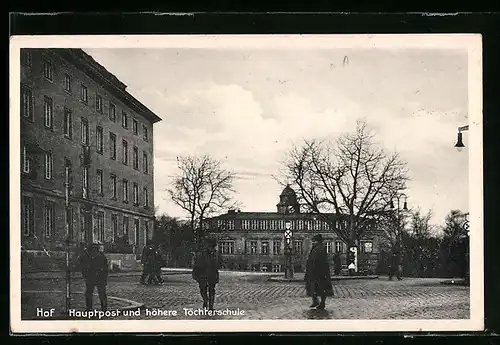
{"x":411,"y":298}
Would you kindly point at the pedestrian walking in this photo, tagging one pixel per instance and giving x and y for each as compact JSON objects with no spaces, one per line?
{"x":157,"y":265}
{"x":396,"y":268}
{"x":94,"y":268}
{"x":337,"y":262}
{"x":206,"y":272}
{"x":147,"y":261}
{"x":317,"y":277}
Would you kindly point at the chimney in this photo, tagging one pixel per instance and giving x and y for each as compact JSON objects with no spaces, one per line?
{"x":231,"y":211}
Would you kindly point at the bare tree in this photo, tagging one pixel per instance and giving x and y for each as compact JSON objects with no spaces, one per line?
{"x":347,"y":185}
{"x":202,"y":187}
{"x":420,"y":224}
{"x":391,"y":229}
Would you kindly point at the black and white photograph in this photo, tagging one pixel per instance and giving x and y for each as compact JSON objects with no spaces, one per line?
{"x":304,"y":182}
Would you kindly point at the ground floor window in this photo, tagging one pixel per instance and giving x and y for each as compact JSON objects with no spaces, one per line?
{"x":339,"y":247}
{"x":297,"y":246}
{"x":99,"y":226}
{"x":49,"y":217}
{"x":227,"y":247}
{"x":114,"y":226}
{"x":276,"y":268}
{"x":366,"y":247}
{"x":136,"y":231}
{"x":276,"y":247}
{"x":265,"y":267}
{"x":329,"y":247}
{"x":253,"y":247}
{"x":28,"y":221}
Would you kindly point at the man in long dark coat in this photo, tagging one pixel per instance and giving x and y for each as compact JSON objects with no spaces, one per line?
{"x":147,"y":261}
{"x":317,"y":277}
{"x":337,"y":261}
{"x":206,"y":272}
{"x":94,"y":268}
{"x":157,"y":265}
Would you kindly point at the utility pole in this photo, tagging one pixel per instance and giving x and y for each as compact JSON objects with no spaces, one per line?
{"x":288,"y":250}
{"x":68,"y":242}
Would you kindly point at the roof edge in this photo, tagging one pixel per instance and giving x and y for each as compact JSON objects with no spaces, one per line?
{"x":90,"y":66}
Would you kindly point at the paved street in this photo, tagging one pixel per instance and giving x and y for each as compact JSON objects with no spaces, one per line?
{"x":410,"y":298}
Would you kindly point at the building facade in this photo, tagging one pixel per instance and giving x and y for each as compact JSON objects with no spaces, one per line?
{"x":86,"y":155}
{"x":254,"y":241}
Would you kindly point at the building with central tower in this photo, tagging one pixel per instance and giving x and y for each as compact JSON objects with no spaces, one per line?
{"x":254,"y":241}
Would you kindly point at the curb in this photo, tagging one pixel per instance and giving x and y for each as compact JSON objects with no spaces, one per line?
{"x":283,"y":280}
{"x":459,"y":282}
{"x":127,"y":274}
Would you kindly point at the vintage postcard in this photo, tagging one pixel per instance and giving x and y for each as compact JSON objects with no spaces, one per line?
{"x":300,"y":183}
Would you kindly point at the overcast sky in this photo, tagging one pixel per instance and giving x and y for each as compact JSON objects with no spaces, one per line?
{"x":246,"y":107}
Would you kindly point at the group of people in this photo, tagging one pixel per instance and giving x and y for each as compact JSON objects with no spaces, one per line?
{"x":152,"y":260}
{"x":94,"y":268}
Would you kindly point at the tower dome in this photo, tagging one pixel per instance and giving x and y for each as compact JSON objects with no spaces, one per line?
{"x":288,"y":201}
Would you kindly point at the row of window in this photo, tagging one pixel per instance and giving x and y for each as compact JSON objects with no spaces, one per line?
{"x":115,"y":233}
{"x":68,"y":133}
{"x":266,"y":224}
{"x":48,"y":73}
{"x":28,"y":222}
{"x":227,"y":247}
{"x":114,"y":188}
{"x":27,"y":166}
{"x":48,"y":169}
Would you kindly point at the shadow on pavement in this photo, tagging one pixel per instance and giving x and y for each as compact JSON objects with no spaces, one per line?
{"x":315,"y":314}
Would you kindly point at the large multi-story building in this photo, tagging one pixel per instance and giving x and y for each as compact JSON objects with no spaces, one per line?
{"x":79,"y":124}
{"x":255,"y":240}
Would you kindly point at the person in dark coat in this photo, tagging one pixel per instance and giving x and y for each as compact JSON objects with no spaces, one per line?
{"x":157,"y":265}
{"x":147,"y":261}
{"x":395,"y":268}
{"x":317,"y":277}
{"x":337,"y":264}
{"x":206,"y":272}
{"x":94,"y":268}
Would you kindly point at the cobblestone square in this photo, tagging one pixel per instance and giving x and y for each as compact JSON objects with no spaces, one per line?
{"x":260,"y":299}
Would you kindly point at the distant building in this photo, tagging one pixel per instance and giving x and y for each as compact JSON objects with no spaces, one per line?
{"x":77,"y":117}
{"x":254,"y":241}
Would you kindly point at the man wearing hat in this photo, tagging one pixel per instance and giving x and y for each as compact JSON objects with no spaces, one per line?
{"x":317,"y":277}
{"x":147,"y":261}
{"x":94,"y":267}
{"x":206,"y":272}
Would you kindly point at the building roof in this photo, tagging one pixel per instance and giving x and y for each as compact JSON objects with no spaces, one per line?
{"x":288,"y":191}
{"x":265,"y":215}
{"x":288,"y":197}
{"x":87,"y":64}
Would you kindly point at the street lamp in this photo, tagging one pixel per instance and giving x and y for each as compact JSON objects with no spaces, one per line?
{"x":464,"y":236}
{"x":288,"y":250}
{"x":460,"y":144}
{"x":400,"y":206}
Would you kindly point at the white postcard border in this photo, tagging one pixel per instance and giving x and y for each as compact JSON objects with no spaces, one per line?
{"x":470,"y":42}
